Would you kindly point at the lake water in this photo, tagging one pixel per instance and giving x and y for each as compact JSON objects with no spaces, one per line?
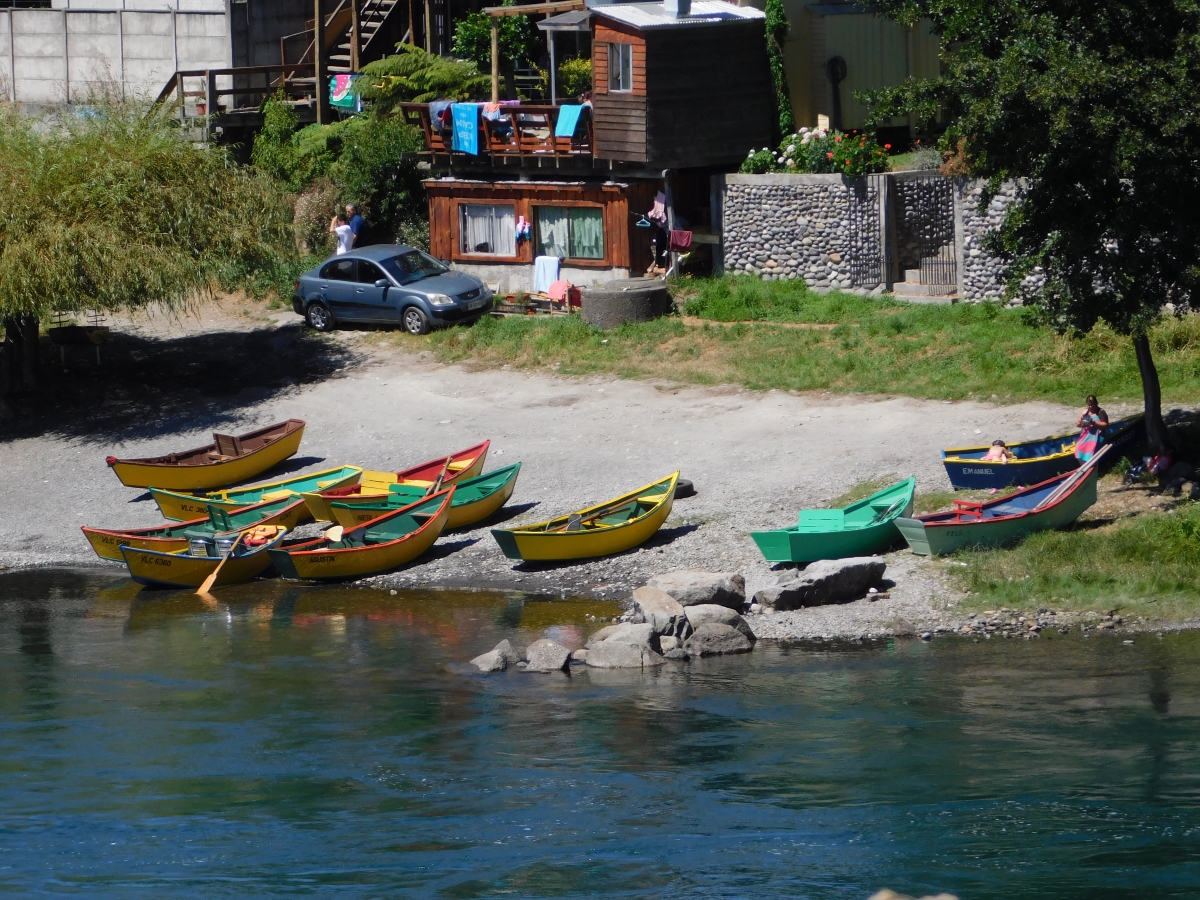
{"x":321,"y":741}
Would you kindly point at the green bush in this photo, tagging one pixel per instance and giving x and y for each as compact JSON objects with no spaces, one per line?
{"x":816,"y":151}
{"x":575,"y":77}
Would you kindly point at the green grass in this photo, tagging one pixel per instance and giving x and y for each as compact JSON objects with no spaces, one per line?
{"x":1146,"y":565}
{"x":964,"y":351}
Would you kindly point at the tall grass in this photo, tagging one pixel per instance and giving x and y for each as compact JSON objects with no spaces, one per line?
{"x":116,"y":210}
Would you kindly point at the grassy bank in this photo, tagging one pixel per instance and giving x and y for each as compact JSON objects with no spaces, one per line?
{"x":1148,"y":565}
{"x":781,"y":335}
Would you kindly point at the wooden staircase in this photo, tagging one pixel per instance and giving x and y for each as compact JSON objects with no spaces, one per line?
{"x":372,"y":16}
{"x":355,"y":34}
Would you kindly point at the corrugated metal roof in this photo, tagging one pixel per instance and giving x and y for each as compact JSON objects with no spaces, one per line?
{"x":653,"y":15}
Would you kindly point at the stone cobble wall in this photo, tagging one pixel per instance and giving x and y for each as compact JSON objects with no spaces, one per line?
{"x":783,"y":227}
{"x":980,"y":275}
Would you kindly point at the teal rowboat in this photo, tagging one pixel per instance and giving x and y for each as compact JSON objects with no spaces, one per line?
{"x":861,"y":529}
{"x":1051,"y":504}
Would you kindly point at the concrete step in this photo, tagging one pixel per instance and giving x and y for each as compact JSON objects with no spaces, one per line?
{"x":915,"y":288}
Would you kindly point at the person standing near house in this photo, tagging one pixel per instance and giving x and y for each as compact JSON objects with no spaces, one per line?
{"x":355,"y":221}
{"x":340,"y":228}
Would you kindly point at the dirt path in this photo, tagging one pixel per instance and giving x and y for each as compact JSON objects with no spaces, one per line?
{"x":755,"y":458}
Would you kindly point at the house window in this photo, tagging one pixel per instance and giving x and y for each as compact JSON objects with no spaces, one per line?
{"x":620,"y":67}
{"x":487,"y":230}
{"x":570,"y":232}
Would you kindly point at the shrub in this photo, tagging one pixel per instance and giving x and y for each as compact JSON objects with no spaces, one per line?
{"x":816,"y":151}
{"x":311,"y":213}
{"x":575,"y":77}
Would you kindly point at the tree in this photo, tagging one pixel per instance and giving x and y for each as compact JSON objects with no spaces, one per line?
{"x":517,"y":39}
{"x":1094,"y":107}
{"x":116,"y":210}
{"x":777,"y":29}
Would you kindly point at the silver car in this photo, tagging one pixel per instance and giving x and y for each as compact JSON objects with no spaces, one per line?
{"x":389,"y":284}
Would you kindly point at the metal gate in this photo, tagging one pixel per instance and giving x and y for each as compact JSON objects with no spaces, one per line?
{"x":935,"y":231}
{"x":866,"y":248}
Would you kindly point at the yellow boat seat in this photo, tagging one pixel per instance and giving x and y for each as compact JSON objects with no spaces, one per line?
{"x":460,"y":464}
{"x":275,"y":495}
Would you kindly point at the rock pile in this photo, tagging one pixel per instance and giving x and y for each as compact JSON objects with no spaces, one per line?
{"x":826,"y":581}
{"x":540,"y":656}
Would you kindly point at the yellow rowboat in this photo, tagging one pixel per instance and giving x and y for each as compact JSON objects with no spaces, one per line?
{"x":227,"y":460}
{"x":182,"y":569}
{"x":179,"y":506}
{"x":475,"y":500}
{"x":612,"y":527}
{"x":374,"y":487}
{"x":169,"y":538}
{"x":391,"y":540}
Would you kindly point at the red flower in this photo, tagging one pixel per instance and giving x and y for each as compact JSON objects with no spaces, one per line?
{"x":829,"y":155}
{"x":887,"y":146}
{"x":837,"y":140}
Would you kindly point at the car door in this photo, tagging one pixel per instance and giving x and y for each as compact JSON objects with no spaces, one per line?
{"x":339,"y":278}
{"x":375,"y":304}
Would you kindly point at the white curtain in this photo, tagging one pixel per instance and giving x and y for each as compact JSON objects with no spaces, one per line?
{"x":553,"y":232}
{"x":487,"y":230}
{"x":587,"y":233}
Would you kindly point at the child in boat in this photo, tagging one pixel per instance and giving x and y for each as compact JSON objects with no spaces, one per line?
{"x":999,"y":453}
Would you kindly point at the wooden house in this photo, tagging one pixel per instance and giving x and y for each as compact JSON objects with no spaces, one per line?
{"x":664,"y":119}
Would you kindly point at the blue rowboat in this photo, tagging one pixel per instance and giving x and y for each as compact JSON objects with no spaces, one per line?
{"x":1036,"y":461}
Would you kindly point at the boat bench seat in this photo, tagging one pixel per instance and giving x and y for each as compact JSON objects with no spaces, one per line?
{"x":823,"y":518}
{"x":228,"y":445}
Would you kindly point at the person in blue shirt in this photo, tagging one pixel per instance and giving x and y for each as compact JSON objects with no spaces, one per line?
{"x":355,"y":221}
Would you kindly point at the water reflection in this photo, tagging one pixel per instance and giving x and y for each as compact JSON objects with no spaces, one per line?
{"x":290,"y":739}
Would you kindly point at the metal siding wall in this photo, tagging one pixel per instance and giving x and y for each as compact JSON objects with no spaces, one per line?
{"x":875,"y":53}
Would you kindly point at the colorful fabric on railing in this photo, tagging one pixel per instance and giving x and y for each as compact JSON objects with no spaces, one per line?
{"x":568,"y":120}
{"x":342,"y":93}
{"x":466,"y":127}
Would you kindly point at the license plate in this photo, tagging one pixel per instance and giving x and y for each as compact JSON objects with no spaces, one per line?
{"x":478,"y":304}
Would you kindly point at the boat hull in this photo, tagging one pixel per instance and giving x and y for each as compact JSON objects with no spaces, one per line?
{"x":373,"y":486}
{"x":462,"y":515}
{"x":179,"y":506}
{"x":331,"y":564}
{"x":938,"y":539}
{"x":133,"y":473}
{"x":530,"y":545}
{"x":178,"y":570}
{"x":1056,"y":456}
{"x":107,"y":543}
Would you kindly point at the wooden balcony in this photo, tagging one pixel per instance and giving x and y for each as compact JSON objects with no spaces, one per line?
{"x":523,"y":132}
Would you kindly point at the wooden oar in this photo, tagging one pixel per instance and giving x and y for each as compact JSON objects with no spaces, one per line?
{"x":1076,"y":476}
{"x":212,"y":577}
{"x":437,"y":482}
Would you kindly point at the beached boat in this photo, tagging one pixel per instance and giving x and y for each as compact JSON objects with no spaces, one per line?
{"x":288,"y":512}
{"x":391,"y":540}
{"x":1035,"y":461}
{"x":374,"y":487}
{"x":612,"y":527}
{"x":860,"y":529}
{"x":189,"y":567}
{"x":180,"y":506}
{"x":1052,"y":504}
{"x":475,"y":500}
{"x":227,"y":460}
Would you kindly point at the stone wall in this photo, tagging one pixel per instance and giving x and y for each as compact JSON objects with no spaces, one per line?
{"x":979,"y":271}
{"x":783,"y":227}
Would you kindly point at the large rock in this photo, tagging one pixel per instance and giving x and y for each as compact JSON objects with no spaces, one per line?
{"x":616,"y":654}
{"x":661,"y":612}
{"x":547,"y":656}
{"x":627,"y":633}
{"x":721,"y":615}
{"x":691,"y":587}
{"x":497,"y":659}
{"x":715,"y":639}
{"x":825,"y":581}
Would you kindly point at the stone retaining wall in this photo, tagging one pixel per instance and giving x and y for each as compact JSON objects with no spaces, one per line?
{"x":785,"y":227}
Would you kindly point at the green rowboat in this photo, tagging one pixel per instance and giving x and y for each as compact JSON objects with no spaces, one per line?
{"x":861,"y":529}
{"x":1051,"y":504}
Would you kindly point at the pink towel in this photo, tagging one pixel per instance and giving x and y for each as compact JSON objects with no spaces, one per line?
{"x":681,"y":241}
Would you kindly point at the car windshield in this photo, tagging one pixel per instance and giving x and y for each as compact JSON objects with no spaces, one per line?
{"x":413,"y":266}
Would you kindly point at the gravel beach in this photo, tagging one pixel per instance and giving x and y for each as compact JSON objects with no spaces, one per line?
{"x":755,"y":459}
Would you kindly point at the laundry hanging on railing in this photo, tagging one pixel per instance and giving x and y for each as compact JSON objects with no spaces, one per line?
{"x":545,"y":273}
{"x":658,"y":213}
{"x":568,"y":120}
{"x":681,"y":241}
{"x":466,"y":127}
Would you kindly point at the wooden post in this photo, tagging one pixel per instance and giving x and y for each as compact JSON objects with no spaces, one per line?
{"x":495,"y":59}
{"x":210,"y":98}
{"x":672,"y":257}
{"x":412,"y":26}
{"x":354,"y":35}
{"x":428,"y":29}
{"x":320,"y":64}
{"x":553,"y":70}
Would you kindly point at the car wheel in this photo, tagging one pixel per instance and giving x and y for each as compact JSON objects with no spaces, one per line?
{"x":415,"y":321}
{"x":319,"y":317}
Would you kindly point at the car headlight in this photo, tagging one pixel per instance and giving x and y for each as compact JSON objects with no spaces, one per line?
{"x":440,"y":300}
